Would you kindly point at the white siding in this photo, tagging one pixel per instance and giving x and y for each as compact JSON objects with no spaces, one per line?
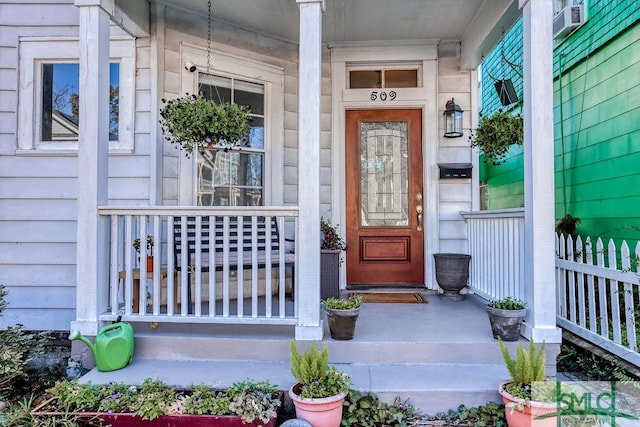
{"x":454,"y":194}
{"x":38,"y":208}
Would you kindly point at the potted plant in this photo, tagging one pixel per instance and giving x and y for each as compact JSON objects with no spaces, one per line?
{"x":342,"y":315}
{"x":452,"y":274}
{"x":331,"y":246}
{"x":567,"y":225}
{"x":496,"y":133}
{"x":194,"y":122}
{"x":506,"y":316}
{"x":320,"y":391}
{"x":149,"y":250}
{"x":247,"y":403}
{"x":529,"y":399}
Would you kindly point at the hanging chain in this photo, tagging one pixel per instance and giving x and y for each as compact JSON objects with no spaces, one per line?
{"x":209,"y":37}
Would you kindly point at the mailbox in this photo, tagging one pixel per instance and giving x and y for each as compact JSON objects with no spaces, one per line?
{"x":455,"y":170}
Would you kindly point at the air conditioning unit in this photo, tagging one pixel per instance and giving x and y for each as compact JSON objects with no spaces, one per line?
{"x":567,"y":20}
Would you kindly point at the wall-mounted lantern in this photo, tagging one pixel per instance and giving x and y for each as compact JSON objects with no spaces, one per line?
{"x":452,"y":120}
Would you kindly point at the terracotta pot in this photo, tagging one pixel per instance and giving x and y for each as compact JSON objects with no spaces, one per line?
{"x":322,"y":412}
{"x":149,"y":263}
{"x":531,"y":410}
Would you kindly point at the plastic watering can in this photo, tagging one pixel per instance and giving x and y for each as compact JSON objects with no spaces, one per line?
{"x":113,"y":348}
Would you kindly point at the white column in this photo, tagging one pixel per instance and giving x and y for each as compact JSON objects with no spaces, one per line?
{"x":92,"y":254}
{"x":308,"y":239}
{"x":539,"y":251}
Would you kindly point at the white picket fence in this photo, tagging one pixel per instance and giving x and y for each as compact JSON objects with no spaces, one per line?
{"x":599,"y":293}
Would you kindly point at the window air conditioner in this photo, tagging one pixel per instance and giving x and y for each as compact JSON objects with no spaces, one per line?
{"x":567,"y":20}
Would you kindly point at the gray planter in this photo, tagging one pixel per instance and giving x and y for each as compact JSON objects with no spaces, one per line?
{"x":452,"y":274}
{"x":329,"y":273}
{"x":506,"y":324}
{"x":342,"y":323}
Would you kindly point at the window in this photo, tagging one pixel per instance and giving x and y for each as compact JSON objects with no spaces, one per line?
{"x":60,"y":113}
{"x":233,"y":177}
{"x":361,"y":79}
{"x":558,"y":5}
{"x":48,"y":109}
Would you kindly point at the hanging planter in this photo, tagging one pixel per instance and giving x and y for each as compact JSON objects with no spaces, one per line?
{"x":194,"y":123}
{"x":496,"y":134}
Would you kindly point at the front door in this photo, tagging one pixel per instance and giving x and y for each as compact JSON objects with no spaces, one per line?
{"x":384,"y":197}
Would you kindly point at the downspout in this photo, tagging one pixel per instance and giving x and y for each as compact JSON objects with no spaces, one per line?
{"x":564,"y":169}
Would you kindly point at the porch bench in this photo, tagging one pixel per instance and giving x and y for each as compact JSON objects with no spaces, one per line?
{"x":212,"y":238}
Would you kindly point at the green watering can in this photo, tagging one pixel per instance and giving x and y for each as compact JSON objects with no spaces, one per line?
{"x":113,"y":348}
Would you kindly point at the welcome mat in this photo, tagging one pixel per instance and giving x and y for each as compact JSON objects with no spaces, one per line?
{"x":388,"y":297}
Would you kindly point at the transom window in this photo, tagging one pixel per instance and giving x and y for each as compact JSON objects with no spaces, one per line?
{"x":233,"y":177}
{"x":383,"y":78}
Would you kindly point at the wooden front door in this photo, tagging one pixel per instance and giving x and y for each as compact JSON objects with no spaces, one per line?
{"x":385,"y":227}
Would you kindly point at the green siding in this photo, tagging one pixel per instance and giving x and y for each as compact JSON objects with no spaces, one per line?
{"x":597,"y":161}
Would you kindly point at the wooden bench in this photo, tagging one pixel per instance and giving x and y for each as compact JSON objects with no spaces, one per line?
{"x":237,"y":233}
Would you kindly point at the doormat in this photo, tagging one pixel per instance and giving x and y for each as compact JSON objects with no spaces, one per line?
{"x":404,"y":298}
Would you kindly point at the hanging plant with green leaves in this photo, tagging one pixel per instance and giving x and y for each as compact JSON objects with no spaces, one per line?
{"x":496,"y":133}
{"x":193,"y":123}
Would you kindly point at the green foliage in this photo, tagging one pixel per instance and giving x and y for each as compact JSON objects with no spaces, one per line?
{"x":496,"y":133}
{"x":136,"y":244}
{"x":253,"y":401}
{"x":18,"y":351}
{"x":491,"y":414}
{"x":508,"y":303}
{"x":317,"y":378}
{"x":249,"y":399}
{"x":354,"y":301}
{"x":194,"y":122}
{"x":330,"y":237}
{"x":567,"y":225}
{"x":592,"y":367}
{"x":19,"y":415}
{"x":527,"y":367}
{"x":362,"y":410}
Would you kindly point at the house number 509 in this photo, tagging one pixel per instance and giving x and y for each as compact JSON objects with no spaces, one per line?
{"x":383,"y":96}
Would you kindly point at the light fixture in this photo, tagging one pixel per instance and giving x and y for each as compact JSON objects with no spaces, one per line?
{"x":452,"y":120}
{"x":190,"y":66}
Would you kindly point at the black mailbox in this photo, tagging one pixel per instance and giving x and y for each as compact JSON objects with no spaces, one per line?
{"x":455,"y":170}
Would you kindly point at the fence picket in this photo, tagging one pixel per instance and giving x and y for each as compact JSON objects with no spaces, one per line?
{"x":571,"y":282}
{"x":579,"y":258}
{"x":602,"y":289}
{"x":629,"y":309}
{"x":614,"y":289}
{"x":591,"y":292}
{"x":561,"y":278}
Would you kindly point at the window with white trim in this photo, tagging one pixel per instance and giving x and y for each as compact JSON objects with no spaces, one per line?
{"x":48,"y":109}
{"x":558,"y":5}
{"x":252,"y":175}
{"x":233,"y":176}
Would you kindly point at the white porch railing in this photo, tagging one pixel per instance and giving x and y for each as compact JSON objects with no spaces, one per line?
{"x":599,"y":294}
{"x":249,"y":286}
{"x":496,"y":242}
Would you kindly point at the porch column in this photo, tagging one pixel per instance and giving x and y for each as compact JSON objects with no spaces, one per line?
{"x":92,"y":255}
{"x":308,"y":239}
{"x":539,"y":250}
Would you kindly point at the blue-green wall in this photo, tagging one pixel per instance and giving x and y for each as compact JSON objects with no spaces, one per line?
{"x":597,"y":131}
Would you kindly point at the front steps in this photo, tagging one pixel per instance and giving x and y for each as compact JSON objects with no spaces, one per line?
{"x":437,"y":355}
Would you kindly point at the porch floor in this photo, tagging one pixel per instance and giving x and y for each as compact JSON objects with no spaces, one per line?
{"x":438,"y":355}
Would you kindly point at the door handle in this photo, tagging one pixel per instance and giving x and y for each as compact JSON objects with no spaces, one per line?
{"x":419,"y":211}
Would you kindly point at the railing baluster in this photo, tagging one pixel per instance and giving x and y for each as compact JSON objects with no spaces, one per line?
{"x":240,"y":269}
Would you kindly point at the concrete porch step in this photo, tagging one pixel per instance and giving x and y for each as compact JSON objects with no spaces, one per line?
{"x":429,"y":387}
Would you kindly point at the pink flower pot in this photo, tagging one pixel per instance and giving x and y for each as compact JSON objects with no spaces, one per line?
{"x":529,"y":415}
{"x":322,"y":412}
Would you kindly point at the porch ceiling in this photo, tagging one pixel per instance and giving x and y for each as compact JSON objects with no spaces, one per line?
{"x":477,"y":24}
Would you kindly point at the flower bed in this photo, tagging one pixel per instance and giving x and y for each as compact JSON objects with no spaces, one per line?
{"x":247,"y":404}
